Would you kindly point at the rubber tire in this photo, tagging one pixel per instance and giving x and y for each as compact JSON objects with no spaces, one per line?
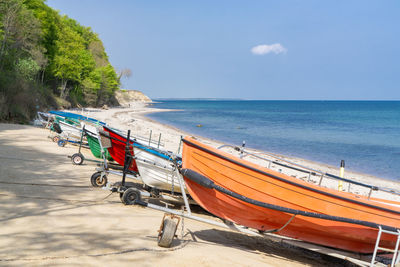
{"x":56,"y":139}
{"x":77,"y":159}
{"x":130,"y":196}
{"x":167,"y":233}
{"x":61,"y":143}
{"x":95,"y":180}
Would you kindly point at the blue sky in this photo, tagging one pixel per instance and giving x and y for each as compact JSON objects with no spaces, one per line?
{"x":208,"y":49}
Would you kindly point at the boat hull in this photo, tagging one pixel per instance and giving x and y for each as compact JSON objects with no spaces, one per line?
{"x":156,"y":169}
{"x":117,"y":149}
{"x":70,"y":130}
{"x":95,"y":148}
{"x":268,"y":186}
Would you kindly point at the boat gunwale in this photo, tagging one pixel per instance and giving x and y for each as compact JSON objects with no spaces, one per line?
{"x":171,"y":156}
{"x":219,"y":155}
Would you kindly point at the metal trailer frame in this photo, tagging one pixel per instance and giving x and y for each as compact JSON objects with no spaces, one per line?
{"x":72,"y":141}
{"x":78,"y":158}
{"x":167,"y":231}
{"x":135,"y":197}
{"x":64,"y":137}
{"x":99,"y":178}
{"x":53,"y":135}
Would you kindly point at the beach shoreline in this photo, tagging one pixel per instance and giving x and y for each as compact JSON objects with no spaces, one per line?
{"x":142,"y":125}
{"x":72,"y":223}
{"x":52,"y":216}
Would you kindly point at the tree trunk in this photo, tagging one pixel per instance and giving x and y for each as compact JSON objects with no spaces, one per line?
{"x":10,"y":14}
{"x":63,"y":94}
{"x":42,"y":76}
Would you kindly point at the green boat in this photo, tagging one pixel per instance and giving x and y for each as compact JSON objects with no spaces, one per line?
{"x":95,"y":147}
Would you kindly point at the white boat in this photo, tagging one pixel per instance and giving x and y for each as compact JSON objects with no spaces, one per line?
{"x":43,"y":119}
{"x":156,"y":168}
{"x":70,"y":130}
{"x":90,"y":129}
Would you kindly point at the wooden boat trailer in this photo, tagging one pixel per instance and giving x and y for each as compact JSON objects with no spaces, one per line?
{"x":172,"y":217}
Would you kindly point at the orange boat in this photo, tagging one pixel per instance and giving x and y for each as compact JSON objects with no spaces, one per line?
{"x":253,"y":196}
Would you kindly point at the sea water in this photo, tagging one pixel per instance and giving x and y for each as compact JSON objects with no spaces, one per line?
{"x":366,"y":134}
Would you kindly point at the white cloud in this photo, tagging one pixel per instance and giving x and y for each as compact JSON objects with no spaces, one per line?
{"x":266,"y":49}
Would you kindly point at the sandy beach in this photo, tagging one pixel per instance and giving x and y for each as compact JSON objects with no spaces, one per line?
{"x":50,"y":215}
{"x":134,"y":119}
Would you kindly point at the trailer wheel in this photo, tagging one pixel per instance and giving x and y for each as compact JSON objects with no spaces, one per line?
{"x":77,"y":158}
{"x":130,"y":196}
{"x":56,"y":139}
{"x":97,"y":180}
{"x":167,"y":233}
{"x":61,"y":143}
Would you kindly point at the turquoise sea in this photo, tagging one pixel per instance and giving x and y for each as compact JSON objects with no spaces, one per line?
{"x":366,"y":134}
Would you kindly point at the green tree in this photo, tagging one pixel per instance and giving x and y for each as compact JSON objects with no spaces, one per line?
{"x":20,"y":32}
{"x":20,"y":35}
{"x":72,"y":62}
{"x":44,"y":54}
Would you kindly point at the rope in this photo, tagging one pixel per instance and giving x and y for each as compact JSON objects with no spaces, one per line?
{"x":280,"y":229}
{"x":34,"y":160}
{"x":107,"y":196}
{"x":55,"y":185}
{"x":182,"y":245}
{"x":60,"y":199}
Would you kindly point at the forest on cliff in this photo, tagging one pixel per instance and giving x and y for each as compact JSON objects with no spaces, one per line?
{"x":49,"y":60}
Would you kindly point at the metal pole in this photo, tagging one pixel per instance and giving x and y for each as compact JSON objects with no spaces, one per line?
{"x":204,"y":220}
{"x":320,"y":180}
{"x":180,"y":179}
{"x":341,"y":175}
{"x":127,"y":154}
{"x":151,"y":131}
{"x":80,"y":144}
{"x":103,"y":152}
{"x":378,"y":239}
{"x":179,"y":146}
{"x":159,"y":140}
{"x":396,"y":255}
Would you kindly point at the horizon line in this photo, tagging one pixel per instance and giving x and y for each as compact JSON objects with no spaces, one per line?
{"x":249,"y":99}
